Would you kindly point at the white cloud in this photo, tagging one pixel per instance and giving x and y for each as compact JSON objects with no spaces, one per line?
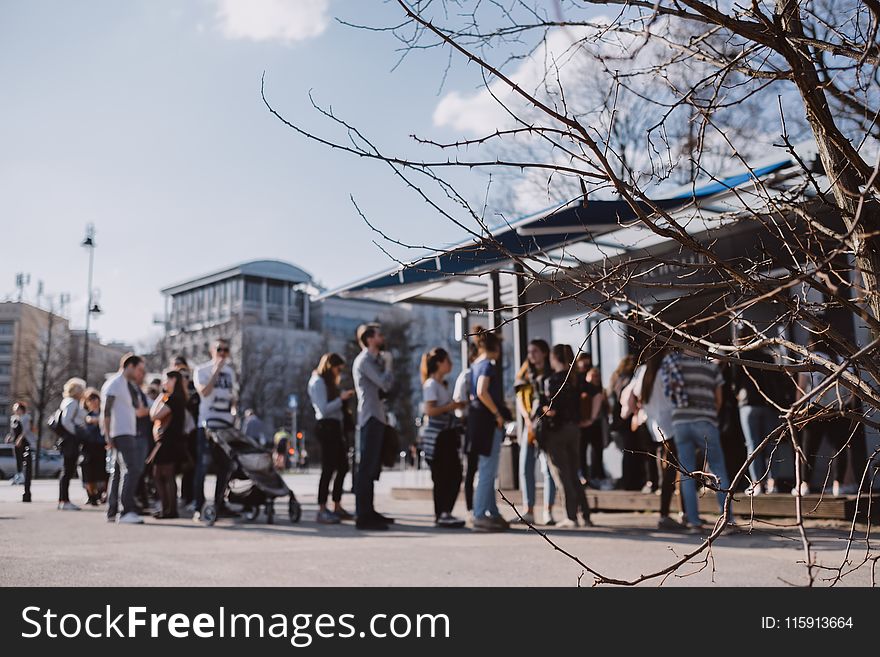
{"x":484,"y":110}
{"x":272,"y":20}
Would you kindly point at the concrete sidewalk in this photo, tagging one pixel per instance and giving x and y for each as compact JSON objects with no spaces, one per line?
{"x":45,"y":547}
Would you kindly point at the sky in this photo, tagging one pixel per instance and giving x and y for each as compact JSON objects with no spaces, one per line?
{"x":144,"y":117}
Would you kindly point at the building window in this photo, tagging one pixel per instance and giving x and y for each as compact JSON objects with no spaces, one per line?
{"x":5,"y":349}
{"x":5,"y":369}
{"x":7,"y":328}
{"x":253,"y":291}
{"x":275,"y":294}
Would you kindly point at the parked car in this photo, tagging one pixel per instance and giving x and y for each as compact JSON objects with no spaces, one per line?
{"x":51,"y":462}
{"x":7,"y":461}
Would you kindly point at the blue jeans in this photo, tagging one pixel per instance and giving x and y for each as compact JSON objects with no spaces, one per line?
{"x":758,"y":422}
{"x":369,"y":466}
{"x":485,"y":503}
{"x":527,"y":455}
{"x":129,"y":453}
{"x":689,"y":437}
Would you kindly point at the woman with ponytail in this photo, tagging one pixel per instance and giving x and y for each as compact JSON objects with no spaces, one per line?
{"x":486,"y":418}
{"x":439,"y":436}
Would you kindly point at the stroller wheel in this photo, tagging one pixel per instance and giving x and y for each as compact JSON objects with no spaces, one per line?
{"x":209,"y":514}
{"x":295,"y":510}
{"x":270,"y":512}
{"x":253,"y":513}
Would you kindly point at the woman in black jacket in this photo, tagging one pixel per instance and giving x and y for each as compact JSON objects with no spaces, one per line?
{"x":169,"y":417}
{"x":559,"y":434}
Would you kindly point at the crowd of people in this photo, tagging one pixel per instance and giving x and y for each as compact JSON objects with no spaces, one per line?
{"x":132,"y":441}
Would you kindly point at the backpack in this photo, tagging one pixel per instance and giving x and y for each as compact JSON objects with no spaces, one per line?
{"x":54,"y":423}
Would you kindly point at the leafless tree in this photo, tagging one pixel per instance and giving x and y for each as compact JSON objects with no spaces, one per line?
{"x":678,"y":90}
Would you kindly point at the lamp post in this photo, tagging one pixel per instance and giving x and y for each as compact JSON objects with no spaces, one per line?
{"x":89,"y":243}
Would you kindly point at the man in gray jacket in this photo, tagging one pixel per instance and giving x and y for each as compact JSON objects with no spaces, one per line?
{"x":372,"y":377}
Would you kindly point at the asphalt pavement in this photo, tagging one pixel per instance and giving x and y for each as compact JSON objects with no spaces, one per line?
{"x":41,"y":546}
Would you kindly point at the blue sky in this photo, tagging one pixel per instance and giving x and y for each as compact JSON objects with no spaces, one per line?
{"x":145,"y":118}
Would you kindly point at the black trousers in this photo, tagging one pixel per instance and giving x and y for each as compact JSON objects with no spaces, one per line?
{"x":841,"y":434}
{"x":593,"y":441}
{"x":67,"y":473}
{"x":667,"y":460}
{"x":187,"y":478}
{"x":445,"y":472}
{"x":334,"y":459}
{"x":473,"y":460}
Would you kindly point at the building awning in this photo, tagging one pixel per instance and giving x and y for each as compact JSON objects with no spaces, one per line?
{"x":570,"y":235}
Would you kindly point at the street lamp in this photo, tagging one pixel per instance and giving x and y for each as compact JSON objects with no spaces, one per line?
{"x":91,"y":308}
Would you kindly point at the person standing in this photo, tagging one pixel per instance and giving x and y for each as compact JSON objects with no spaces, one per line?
{"x":94,"y":450}
{"x":594,"y":407}
{"x":73,"y":421}
{"x":826,"y":421}
{"x":372,"y":378}
{"x":760,"y":395}
{"x":252,"y":426}
{"x":529,"y":386}
{"x":121,"y":406}
{"x":486,"y":418}
{"x":215,"y":383}
{"x":327,"y":401}
{"x":461,"y":392}
{"x":440,"y":436}
{"x":694,"y":384}
{"x":188,"y":455}
{"x":560,"y":419}
{"x":647,"y":389}
{"x":20,"y":435}
{"x":168,"y":413}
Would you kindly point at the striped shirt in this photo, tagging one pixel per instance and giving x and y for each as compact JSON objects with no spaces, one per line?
{"x":692,"y":382}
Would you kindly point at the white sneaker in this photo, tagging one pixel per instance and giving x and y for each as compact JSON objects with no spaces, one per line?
{"x":835,"y":489}
{"x":130,"y":518}
{"x":805,"y":489}
{"x":566,"y":523}
{"x":67,"y":506}
{"x":548,"y":518}
{"x":754,"y":490}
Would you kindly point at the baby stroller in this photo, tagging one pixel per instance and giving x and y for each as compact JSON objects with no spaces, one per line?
{"x":251,"y":476}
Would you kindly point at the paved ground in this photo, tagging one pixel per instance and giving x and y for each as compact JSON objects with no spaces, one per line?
{"x":41,"y":546}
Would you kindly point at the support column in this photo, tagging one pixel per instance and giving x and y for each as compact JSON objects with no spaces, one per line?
{"x":494,"y":308}
{"x":520,"y":324}
{"x":307,"y":302}
{"x":264,"y":311}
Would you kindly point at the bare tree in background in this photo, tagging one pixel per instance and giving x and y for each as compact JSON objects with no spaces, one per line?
{"x":49,"y":356}
{"x":677,"y":91}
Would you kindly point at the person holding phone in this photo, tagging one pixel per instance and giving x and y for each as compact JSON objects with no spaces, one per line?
{"x":215,"y":383}
{"x":327,"y":400}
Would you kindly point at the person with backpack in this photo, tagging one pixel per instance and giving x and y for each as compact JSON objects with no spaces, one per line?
{"x":72,"y":418}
